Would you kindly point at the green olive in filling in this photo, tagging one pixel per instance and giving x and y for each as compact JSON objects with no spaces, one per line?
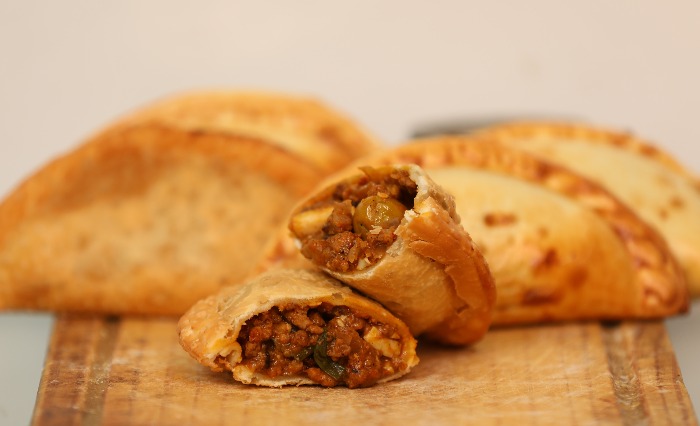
{"x":376,"y":211}
{"x":353,"y":227}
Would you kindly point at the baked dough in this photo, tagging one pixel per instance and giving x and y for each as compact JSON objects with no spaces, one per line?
{"x":323,"y":137}
{"x":559,"y":246}
{"x":211,"y":331}
{"x":419,"y":263}
{"x":650,"y":181}
{"x":167,"y":205}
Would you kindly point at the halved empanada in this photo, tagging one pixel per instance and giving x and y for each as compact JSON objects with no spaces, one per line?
{"x":296,"y":327}
{"x":166,"y":206}
{"x":394,"y":235}
{"x":648,"y":180}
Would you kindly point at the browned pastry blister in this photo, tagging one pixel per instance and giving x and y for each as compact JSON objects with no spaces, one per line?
{"x":650,"y":181}
{"x":296,"y":327}
{"x":394,"y":235}
{"x":167,"y":205}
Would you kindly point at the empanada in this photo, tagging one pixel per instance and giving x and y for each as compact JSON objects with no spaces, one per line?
{"x":559,"y":246}
{"x":304,"y":127}
{"x":648,"y":180}
{"x":296,"y":327}
{"x":394,"y":235}
{"x":167,"y":205}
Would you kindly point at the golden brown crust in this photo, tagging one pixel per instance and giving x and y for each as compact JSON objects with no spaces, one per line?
{"x":650,"y":181}
{"x":141,"y":219}
{"x":434,"y":236}
{"x":123,"y":163}
{"x":303,"y":126}
{"x":446,"y":296}
{"x":208,"y":331}
{"x":525,"y":130}
{"x":645,"y":282}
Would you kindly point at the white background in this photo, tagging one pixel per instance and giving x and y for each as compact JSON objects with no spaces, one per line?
{"x":68,"y":68}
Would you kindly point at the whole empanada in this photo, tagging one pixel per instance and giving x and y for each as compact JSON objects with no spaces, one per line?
{"x":167,"y":205}
{"x":559,"y":246}
{"x":650,"y":181}
{"x":297,"y":327}
{"x":303,"y":127}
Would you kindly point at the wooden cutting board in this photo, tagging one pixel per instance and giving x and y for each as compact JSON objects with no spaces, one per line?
{"x":133,"y":372}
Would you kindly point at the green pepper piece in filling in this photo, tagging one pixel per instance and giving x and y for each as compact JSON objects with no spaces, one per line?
{"x":304,"y":353}
{"x":324,"y":362}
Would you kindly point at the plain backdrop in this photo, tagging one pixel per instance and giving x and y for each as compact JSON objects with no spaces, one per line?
{"x":69,"y":68}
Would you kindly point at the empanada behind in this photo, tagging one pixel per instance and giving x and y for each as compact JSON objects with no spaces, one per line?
{"x":648,"y":180}
{"x":151,"y":215}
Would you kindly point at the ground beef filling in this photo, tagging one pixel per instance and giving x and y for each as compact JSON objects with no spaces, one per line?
{"x":365,"y":216}
{"x":326,"y":343}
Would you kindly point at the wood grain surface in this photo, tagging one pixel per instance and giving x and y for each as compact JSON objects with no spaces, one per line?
{"x":133,"y":372}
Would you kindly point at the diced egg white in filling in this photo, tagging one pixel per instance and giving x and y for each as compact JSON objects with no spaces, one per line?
{"x":388,"y":347}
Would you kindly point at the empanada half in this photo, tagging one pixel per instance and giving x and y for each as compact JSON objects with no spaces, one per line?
{"x":165,"y":206}
{"x":559,"y":246}
{"x":297,"y":327}
{"x":648,"y":180}
{"x":393,"y":234}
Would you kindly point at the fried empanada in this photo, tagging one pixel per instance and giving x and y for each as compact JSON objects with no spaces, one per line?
{"x":394,"y":235}
{"x":648,"y":180}
{"x":559,"y":246}
{"x":297,"y":327}
{"x":304,"y":127}
{"x":167,"y":205}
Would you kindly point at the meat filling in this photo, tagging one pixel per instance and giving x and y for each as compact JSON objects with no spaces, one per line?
{"x":362,"y":218}
{"x":331,"y":345}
